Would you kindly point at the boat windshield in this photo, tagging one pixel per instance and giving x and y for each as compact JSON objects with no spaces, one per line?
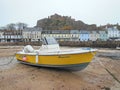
{"x":49,"y":40}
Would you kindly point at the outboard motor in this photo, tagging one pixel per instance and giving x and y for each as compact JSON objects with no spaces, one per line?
{"x":28,"y":49}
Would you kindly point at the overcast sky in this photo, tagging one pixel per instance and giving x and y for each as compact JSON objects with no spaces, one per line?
{"x":98,"y":12}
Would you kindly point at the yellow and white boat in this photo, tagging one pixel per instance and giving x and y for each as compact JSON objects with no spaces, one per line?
{"x":50,"y":55}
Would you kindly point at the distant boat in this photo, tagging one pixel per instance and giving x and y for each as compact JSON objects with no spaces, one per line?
{"x":50,"y":55}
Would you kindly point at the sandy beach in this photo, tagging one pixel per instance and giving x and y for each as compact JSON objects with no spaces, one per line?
{"x":17,"y":76}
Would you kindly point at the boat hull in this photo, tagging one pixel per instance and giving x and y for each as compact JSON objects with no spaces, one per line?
{"x":75,"y":67}
{"x":76,"y":61}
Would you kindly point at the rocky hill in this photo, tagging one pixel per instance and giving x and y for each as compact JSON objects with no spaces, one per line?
{"x":58,"y":22}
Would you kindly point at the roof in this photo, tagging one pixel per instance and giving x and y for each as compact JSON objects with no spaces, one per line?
{"x":55,"y":31}
{"x":32,"y":29}
{"x":84,"y":32}
{"x":74,"y":31}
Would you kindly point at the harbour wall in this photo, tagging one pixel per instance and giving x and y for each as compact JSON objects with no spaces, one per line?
{"x":101,"y":44}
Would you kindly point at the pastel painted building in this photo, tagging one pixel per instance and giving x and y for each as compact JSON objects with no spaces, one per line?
{"x":59,"y":35}
{"x":75,"y":35}
{"x":12,"y":35}
{"x":94,"y":35}
{"x":1,"y":36}
{"x":32,"y":34}
{"x":84,"y":35}
{"x":113,"y":32}
{"x":103,"y":36}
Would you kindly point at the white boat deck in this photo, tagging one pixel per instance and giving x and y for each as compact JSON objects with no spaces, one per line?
{"x":60,"y":51}
{"x":51,"y":47}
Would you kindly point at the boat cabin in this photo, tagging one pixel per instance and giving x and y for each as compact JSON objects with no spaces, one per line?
{"x":49,"y":43}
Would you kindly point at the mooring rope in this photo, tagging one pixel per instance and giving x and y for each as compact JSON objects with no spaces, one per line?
{"x":8,"y":62}
{"x":115,"y":78}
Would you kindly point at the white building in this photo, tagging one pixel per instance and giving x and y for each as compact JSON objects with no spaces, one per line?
{"x":75,"y":35}
{"x":113,"y":32}
{"x":59,"y":35}
{"x":12,"y":35}
{"x":94,"y":35}
{"x":32,"y":34}
{"x":1,"y":36}
{"x":103,"y":35}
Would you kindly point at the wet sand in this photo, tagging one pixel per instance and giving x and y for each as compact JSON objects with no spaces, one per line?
{"x":17,"y":76}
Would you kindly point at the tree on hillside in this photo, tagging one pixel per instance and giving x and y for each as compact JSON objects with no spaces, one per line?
{"x":11,"y":26}
{"x":21,"y":26}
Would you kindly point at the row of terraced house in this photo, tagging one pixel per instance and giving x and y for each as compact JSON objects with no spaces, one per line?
{"x":35,"y":34}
